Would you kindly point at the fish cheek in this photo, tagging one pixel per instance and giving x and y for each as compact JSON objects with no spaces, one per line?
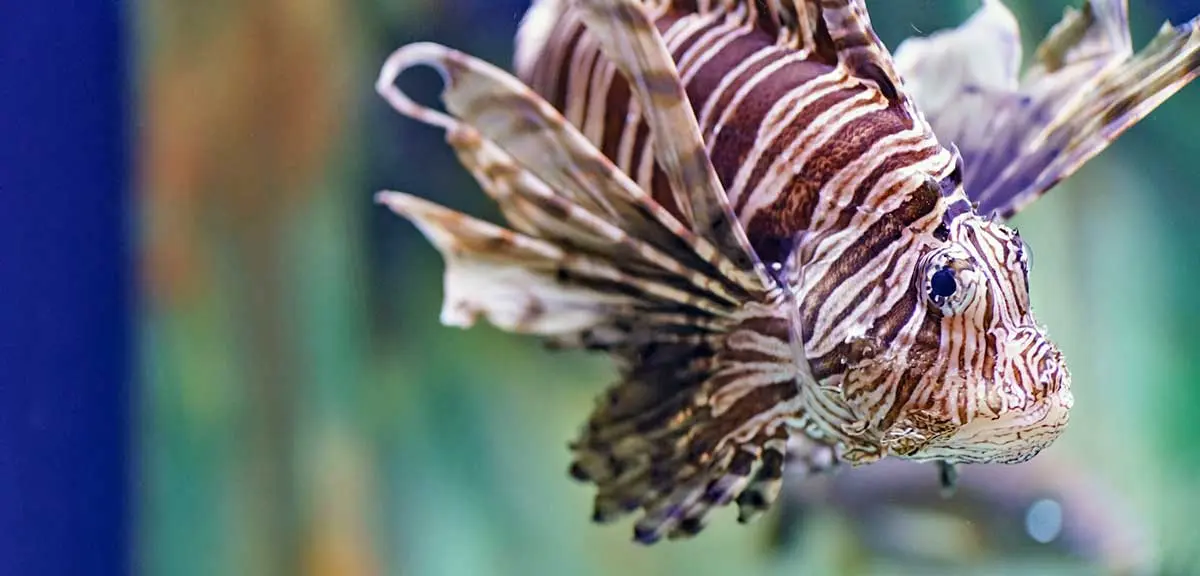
{"x":865,"y":386}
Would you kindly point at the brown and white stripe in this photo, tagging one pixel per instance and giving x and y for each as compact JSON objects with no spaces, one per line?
{"x":815,"y":158}
{"x":741,"y":203}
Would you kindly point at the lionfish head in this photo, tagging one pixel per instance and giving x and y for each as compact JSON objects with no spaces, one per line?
{"x":980,"y":381}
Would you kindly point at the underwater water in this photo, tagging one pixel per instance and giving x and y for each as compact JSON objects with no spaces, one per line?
{"x":304,"y":412}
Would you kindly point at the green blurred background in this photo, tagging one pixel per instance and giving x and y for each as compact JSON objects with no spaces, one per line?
{"x":303,"y":412}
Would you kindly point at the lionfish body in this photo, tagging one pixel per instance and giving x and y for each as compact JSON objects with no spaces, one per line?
{"x":782,"y":235}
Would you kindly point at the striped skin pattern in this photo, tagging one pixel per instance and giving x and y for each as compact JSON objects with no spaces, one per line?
{"x":743,"y":205}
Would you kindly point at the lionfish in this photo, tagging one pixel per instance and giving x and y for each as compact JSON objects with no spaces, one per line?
{"x":790,"y":241}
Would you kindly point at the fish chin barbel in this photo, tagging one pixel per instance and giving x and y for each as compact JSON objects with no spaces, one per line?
{"x":744,"y":205}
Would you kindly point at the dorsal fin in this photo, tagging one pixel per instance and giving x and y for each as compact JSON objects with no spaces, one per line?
{"x":857,"y":46}
{"x":836,"y":31}
{"x":1021,"y":133}
{"x":833,"y":31}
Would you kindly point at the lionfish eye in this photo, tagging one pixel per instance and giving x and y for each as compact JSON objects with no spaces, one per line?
{"x":942,"y":285}
{"x":951,"y":281}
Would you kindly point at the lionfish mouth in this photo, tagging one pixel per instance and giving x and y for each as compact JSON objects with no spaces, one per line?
{"x":1009,"y":439}
{"x":1016,"y":417}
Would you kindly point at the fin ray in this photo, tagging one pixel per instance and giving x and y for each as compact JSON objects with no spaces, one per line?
{"x":630,"y":40}
{"x":531,"y":132}
{"x":1020,"y":135}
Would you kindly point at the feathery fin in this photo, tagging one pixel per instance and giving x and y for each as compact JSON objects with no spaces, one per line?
{"x":1021,"y":135}
{"x":630,"y":40}
{"x":496,"y":107}
{"x":707,"y":394}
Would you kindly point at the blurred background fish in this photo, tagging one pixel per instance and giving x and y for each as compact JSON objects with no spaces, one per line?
{"x":303,"y":412}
